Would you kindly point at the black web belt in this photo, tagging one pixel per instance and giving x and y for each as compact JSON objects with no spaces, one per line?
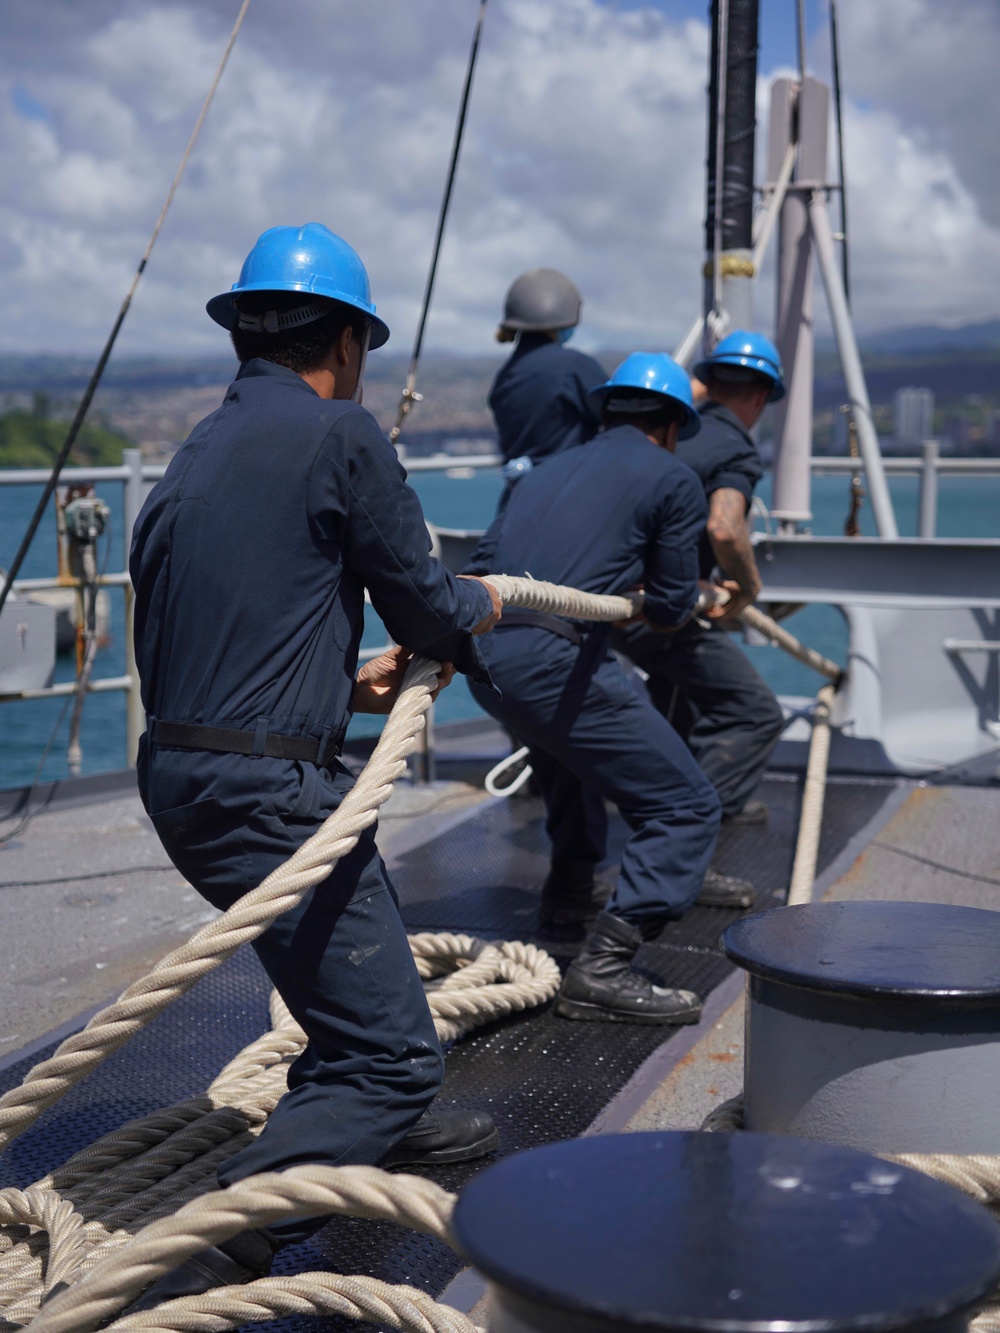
{"x":228,"y":740}
{"x":515,"y":616}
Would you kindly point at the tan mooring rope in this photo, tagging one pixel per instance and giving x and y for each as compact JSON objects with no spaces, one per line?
{"x":142,"y":1198}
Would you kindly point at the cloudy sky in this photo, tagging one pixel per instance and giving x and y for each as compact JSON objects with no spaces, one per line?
{"x":584,"y":151}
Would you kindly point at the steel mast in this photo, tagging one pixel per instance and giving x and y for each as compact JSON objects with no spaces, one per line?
{"x":729,"y":265}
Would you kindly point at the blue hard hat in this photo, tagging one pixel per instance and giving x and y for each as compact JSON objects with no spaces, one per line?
{"x":309,"y":259}
{"x":752,"y":351}
{"x":660,"y":378}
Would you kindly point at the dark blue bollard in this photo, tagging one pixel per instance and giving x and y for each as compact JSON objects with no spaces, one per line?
{"x":874,"y":1024}
{"x":722,"y":1233}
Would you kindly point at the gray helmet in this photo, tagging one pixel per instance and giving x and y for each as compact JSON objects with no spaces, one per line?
{"x":541,"y":299}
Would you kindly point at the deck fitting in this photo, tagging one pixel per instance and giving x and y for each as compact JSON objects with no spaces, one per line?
{"x":873,"y":1024}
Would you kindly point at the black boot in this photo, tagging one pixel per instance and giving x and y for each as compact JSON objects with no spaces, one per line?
{"x":243,"y":1258}
{"x":571,"y":899}
{"x":725,"y":891}
{"x":599,"y":986}
{"x":440,"y":1137}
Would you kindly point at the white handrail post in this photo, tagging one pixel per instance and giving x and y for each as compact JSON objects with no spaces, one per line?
{"x":928,"y":489}
{"x":135,"y":718}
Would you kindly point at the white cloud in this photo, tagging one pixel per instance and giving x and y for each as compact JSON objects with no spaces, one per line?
{"x":584,"y":150}
{"x":922,"y":249}
{"x":934,"y":66}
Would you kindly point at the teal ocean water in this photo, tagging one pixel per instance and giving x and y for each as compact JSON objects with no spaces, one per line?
{"x":968,"y":507}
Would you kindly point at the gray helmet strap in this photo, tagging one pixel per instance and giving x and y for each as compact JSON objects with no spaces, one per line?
{"x":365,"y":341}
{"x":626,"y":404}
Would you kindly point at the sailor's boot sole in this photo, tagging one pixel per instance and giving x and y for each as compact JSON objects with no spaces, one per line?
{"x":737,"y":903}
{"x":598,"y":1013}
{"x":444,"y":1156}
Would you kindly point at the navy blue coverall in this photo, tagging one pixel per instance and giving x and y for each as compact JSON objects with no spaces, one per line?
{"x":539,"y":399}
{"x":250,"y":562}
{"x":605,"y":518}
{"x":699,"y":677}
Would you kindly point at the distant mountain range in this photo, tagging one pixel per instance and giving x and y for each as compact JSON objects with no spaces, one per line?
{"x":156,"y":401}
{"x":924,"y":341}
{"x":67,"y":374}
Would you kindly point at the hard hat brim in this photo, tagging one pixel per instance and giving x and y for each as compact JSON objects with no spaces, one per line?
{"x":689,"y":426}
{"x":703,"y":368}
{"x":222,"y":309}
{"x":523,"y":326}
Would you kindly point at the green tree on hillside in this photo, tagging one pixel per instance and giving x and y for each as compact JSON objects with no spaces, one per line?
{"x":33,"y":439}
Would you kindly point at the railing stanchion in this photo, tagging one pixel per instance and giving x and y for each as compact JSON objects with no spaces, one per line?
{"x":928,"y":489}
{"x":135,"y":718}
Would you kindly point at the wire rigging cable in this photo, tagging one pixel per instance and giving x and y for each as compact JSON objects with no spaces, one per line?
{"x":835,"y":56}
{"x":409,"y":395}
{"x":713,"y":316}
{"x":102,"y":361}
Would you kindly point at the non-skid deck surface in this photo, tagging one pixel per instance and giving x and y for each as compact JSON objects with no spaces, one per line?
{"x":542,"y":1078}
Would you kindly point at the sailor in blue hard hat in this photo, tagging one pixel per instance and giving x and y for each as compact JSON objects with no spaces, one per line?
{"x":752,"y":356}
{"x":649,"y":382}
{"x":250,"y":562}
{"x":699,"y":677}
{"x":539,"y":398}
{"x":618,"y":512}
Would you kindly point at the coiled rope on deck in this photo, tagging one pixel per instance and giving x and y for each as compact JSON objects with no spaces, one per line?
{"x":75,"y":1226}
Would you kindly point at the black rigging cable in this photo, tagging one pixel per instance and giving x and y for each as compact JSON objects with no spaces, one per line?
{"x":98,"y":371}
{"x":409,"y":396}
{"x":835,"y":50}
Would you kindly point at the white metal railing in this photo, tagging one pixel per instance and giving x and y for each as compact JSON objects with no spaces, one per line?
{"x":136,"y":477}
{"x":445,"y":462}
{"x":928,"y":466}
{"x":910,"y":466}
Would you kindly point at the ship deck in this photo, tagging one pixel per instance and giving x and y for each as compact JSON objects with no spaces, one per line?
{"x":91,"y":903}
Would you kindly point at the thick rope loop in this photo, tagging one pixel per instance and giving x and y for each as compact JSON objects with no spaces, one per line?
{"x":258,"y":1201}
{"x":147,"y":1170}
{"x":364,"y":1298}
